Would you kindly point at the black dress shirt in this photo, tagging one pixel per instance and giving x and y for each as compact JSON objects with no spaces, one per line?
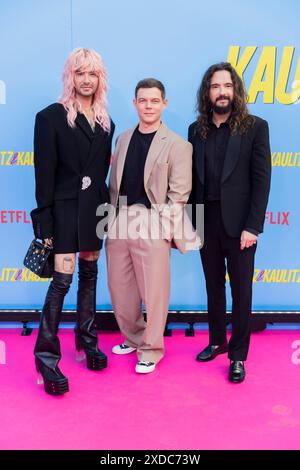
{"x":215,"y":150}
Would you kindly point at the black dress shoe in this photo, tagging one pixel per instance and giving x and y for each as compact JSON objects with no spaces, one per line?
{"x":237,"y":371}
{"x":210,"y":352}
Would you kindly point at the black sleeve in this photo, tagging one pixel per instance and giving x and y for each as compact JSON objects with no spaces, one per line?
{"x":191,"y":131}
{"x":192,"y":197}
{"x":260,"y":178}
{"x":45,"y":161}
{"x":108,"y":152}
{"x":252,"y":230}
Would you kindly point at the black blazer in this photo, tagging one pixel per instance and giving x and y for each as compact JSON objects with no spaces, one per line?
{"x":63,"y":156}
{"x":245,"y":181}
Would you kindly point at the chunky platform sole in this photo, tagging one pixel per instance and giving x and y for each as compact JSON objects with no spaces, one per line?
{"x":92,"y":362}
{"x":53,"y":387}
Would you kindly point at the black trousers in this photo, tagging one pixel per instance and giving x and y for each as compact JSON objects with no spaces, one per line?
{"x":218,"y":248}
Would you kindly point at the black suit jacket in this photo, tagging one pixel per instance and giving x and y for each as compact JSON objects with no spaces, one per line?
{"x":63,"y":156}
{"x":245,"y":181}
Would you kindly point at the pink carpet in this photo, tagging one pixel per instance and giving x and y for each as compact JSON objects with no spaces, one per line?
{"x":182,"y":405}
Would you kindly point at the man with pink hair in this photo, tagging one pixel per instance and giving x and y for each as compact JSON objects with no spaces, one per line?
{"x":72,"y":150}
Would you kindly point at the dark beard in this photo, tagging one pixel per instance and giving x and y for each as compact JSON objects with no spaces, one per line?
{"x":222,"y":109}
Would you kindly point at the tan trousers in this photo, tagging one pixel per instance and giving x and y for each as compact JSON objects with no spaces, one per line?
{"x":139,"y":272}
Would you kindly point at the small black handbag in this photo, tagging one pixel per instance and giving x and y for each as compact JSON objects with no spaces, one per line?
{"x":40,"y":259}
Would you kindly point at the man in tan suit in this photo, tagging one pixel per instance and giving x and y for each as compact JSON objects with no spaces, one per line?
{"x":152,"y":171}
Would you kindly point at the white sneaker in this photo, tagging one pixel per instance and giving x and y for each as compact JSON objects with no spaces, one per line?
{"x":144,"y":367}
{"x":122,"y":349}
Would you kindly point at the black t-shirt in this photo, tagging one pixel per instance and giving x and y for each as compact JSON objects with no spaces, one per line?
{"x":132,"y":184}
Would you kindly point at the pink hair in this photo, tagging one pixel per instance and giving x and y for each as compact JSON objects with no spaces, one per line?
{"x":82,"y":59}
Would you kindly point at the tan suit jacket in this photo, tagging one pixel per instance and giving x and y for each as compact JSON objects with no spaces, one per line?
{"x":167,"y":182}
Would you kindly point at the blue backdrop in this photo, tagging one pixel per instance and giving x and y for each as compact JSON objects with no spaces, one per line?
{"x":175,"y":41}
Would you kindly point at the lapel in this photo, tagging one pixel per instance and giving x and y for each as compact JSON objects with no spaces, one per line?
{"x":122,"y":155}
{"x":157,"y":144}
{"x":232,"y":155}
{"x":199,"y":155}
{"x":94,"y":137}
{"x":82,"y":122}
{"x":230,"y":161}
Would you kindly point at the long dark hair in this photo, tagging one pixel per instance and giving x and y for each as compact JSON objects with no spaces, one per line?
{"x":239,"y":120}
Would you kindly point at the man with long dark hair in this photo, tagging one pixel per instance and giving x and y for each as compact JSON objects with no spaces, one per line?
{"x":231,"y":176}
